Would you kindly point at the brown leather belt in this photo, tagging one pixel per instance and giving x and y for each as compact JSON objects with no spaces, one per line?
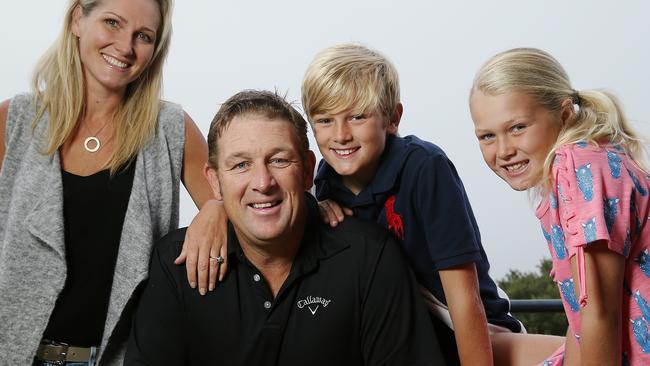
{"x":61,"y":353}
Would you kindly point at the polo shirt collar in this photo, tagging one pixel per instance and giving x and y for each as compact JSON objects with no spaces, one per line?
{"x":390,"y":165}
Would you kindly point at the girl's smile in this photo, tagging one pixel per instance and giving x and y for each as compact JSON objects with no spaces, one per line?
{"x":515,"y":135}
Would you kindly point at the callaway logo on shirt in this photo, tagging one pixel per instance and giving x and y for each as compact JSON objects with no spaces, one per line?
{"x":313,"y":303}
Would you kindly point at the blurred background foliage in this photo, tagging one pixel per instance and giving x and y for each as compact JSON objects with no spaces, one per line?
{"x":536,"y":285}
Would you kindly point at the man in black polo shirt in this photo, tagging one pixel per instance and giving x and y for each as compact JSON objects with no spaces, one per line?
{"x":297,"y":292}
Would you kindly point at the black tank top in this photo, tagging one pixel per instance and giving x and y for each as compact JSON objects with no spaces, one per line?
{"x":93,"y":210}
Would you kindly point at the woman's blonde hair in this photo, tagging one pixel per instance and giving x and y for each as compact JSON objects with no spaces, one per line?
{"x":58,"y":85}
{"x":599,"y":116}
{"x":348,"y":76}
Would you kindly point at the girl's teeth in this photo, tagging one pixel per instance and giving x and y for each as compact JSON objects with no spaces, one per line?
{"x":514,"y":167}
{"x":115,"y":62}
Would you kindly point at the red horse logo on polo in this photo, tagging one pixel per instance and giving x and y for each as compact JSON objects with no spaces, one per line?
{"x":393,"y":218}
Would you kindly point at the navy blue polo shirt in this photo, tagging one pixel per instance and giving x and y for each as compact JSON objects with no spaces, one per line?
{"x":416,"y":193}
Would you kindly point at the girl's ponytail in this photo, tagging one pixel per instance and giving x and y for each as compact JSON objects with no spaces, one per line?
{"x":600,"y":117}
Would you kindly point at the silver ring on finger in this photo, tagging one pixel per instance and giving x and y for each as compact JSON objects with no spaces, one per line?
{"x":218,"y":258}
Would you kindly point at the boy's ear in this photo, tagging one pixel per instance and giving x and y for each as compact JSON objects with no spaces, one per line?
{"x":212,"y":178}
{"x":393,"y":123}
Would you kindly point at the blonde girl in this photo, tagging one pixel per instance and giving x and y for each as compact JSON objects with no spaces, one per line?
{"x":578,"y":151}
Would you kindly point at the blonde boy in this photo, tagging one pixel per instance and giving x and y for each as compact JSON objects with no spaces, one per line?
{"x":351,"y":96}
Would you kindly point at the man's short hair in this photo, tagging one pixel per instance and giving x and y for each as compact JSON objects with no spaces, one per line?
{"x":350,"y":76}
{"x":255,"y":103}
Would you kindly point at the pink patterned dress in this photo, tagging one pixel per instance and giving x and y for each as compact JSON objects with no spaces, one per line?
{"x":600,"y":194}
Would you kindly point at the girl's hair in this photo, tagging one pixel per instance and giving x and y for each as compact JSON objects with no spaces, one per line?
{"x":58,"y":85}
{"x":599,"y":116}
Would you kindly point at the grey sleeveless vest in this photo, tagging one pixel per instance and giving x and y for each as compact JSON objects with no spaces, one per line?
{"x":32,"y":249}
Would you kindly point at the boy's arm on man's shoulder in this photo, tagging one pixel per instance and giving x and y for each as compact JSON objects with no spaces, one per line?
{"x":157,"y":336}
{"x":396,"y":328}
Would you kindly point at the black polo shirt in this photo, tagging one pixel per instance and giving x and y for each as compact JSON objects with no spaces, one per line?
{"x":417,"y":194}
{"x":349,"y":299}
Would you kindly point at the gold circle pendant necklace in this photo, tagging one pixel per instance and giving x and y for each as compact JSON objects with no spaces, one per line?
{"x":93,"y":138}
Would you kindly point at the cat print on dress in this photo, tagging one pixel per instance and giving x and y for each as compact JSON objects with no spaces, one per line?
{"x":642,"y":191}
{"x":614,"y":162}
{"x":589,"y":229}
{"x":610,"y":212}
{"x":547,"y":236}
{"x":569,"y":294}
{"x":557,"y":240}
{"x":552,"y":200}
{"x":643,"y":305}
{"x":585,"y":181}
{"x":547,"y":363}
{"x":561,"y":193}
{"x":640,"y":329}
{"x":643,"y":259}
{"x":581,"y":144}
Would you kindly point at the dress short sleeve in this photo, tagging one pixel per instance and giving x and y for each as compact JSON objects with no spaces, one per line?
{"x":599,"y":194}
{"x":594,"y":196}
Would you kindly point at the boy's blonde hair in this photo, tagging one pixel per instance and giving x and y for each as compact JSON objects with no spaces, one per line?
{"x":599,"y":116}
{"x":59,"y":87}
{"x":350,"y":76}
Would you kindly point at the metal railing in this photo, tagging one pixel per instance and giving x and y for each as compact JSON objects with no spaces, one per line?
{"x":536,"y":306}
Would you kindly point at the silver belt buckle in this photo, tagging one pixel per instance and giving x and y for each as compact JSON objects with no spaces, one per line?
{"x":54,"y":352}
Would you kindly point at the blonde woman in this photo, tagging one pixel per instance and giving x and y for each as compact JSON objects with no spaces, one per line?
{"x":91,"y":165}
{"x":578,"y":150}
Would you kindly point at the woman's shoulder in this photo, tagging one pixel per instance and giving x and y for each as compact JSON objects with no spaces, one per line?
{"x":170,"y":107}
{"x":20,"y":101}
{"x":19,"y":110}
{"x":171,"y":119}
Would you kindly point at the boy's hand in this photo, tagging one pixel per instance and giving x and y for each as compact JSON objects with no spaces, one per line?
{"x":205,"y":246}
{"x":332,"y":213}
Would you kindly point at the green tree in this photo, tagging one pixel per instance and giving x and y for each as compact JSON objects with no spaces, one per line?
{"x":536,"y":285}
